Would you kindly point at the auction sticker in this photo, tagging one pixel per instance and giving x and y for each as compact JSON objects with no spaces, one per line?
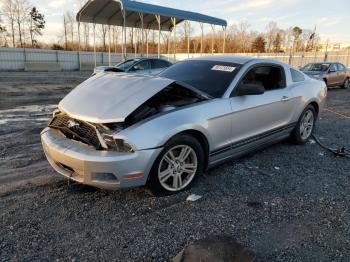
{"x":223,"y":68}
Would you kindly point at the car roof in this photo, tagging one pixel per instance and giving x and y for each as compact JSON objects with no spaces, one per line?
{"x":229,"y":58}
{"x":239,"y":59}
{"x":147,"y":58}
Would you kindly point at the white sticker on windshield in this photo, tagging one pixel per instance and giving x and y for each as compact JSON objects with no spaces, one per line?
{"x":223,"y":68}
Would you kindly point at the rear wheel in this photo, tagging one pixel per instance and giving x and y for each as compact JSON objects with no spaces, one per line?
{"x":305,"y":126}
{"x":346,"y":84}
{"x":181,"y":160}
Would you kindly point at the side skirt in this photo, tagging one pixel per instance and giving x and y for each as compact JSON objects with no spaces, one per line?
{"x":249,"y":145}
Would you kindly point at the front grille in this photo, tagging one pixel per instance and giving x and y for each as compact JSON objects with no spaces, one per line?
{"x":76,"y":129}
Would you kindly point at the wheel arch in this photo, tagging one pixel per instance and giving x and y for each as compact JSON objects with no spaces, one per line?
{"x":315,"y":105}
{"x":202,"y":139}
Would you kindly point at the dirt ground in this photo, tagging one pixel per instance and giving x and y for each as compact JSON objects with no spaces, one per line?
{"x":294,"y":207}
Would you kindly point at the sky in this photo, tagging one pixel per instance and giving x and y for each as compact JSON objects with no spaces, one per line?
{"x":331,"y":18}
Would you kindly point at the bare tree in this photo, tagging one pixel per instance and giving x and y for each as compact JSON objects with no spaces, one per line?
{"x":243,"y":36}
{"x":103,"y":36}
{"x":3,"y":34}
{"x":21,"y":8}
{"x":9,"y":12}
{"x":86,"y":32}
{"x":65,"y":24}
{"x":70,"y":29}
{"x":271,"y":34}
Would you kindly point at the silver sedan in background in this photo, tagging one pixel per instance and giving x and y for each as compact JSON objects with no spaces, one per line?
{"x":333,"y":74}
{"x":142,"y":65}
{"x":121,"y":130}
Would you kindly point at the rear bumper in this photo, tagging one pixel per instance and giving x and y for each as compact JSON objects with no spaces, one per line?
{"x":103,"y":169}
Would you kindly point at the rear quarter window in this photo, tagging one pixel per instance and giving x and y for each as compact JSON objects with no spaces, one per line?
{"x":296,"y":75}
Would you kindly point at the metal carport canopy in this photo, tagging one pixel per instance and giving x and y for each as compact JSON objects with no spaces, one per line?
{"x":111,"y":12}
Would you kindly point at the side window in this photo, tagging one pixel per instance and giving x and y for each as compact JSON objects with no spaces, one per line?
{"x":143,"y":65}
{"x":332,"y":68}
{"x":341,"y":67}
{"x":271,"y":77}
{"x":296,"y":75}
{"x":159,"y":64}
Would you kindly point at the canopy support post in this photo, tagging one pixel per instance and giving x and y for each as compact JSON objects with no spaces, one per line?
{"x":135,"y":41}
{"x":168,"y":44}
{"x":202,"y":36}
{"x":224,"y":42}
{"x":142,"y":32}
{"x":79,"y":45}
{"x":212,"y":39}
{"x":173,"y":20}
{"x":147,"y":50}
{"x":188,"y":26}
{"x":158,"y":21}
{"x":124,"y":37}
{"x":109,"y":45}
{"x":95,"y":58}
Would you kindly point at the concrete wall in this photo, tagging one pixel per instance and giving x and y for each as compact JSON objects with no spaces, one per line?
{"x":15,"y":59}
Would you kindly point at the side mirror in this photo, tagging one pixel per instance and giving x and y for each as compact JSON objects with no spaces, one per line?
{"x":250,"y":89}
{"x":331,"y":71}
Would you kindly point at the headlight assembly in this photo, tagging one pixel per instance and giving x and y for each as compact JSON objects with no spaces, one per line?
{"x":55,"y":112}
{"x":118,"y":145}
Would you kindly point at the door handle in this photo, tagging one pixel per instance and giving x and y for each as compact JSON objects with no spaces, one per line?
{"x":284,"y":98}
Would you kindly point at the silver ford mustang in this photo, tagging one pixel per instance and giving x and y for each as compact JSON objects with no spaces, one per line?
{"x":119,"y":130}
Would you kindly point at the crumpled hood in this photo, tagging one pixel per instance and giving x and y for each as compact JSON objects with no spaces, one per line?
{"x":110,"y":98}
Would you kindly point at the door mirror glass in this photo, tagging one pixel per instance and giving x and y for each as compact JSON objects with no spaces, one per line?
{"x":246,"y":89}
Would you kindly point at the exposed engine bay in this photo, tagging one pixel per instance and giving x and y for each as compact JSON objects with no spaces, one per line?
{"x":174,"y":96}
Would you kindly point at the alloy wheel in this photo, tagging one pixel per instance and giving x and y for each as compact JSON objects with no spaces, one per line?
{"x":177,"y":168}
{"x":306,"y":125}
{"x":347,"y":83}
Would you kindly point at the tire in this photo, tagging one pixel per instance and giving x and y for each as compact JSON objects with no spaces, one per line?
{"x":171,"y":165}
{"x":301,"y":134}
{"x":346,"y":84}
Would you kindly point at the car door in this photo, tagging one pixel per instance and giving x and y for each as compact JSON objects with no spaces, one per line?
{"x":143,"y":67}
{"x":259,"y":116}
{"x":333,"y":77}
{"x":341,"y":70}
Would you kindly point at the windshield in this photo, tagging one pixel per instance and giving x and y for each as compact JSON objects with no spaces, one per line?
{"x":210,"y":77}
{"x":316,"y":67}
{"x":126,"y":64}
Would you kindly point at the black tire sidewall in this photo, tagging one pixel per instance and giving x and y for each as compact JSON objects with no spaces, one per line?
{"x":182,"y":139}
{"x":296,"y":132}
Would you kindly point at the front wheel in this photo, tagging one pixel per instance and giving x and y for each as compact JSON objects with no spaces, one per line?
{"x":305,"y":126}
{"x":175,"y":169}
{"x":346,"y":84}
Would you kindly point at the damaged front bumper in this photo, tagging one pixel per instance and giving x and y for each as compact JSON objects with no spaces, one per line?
{"x":103,"y":169}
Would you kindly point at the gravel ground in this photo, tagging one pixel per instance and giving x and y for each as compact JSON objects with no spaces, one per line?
{"x":290,"y":205}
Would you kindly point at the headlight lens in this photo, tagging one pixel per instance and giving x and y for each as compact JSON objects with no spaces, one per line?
{"x":118,"y":145}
